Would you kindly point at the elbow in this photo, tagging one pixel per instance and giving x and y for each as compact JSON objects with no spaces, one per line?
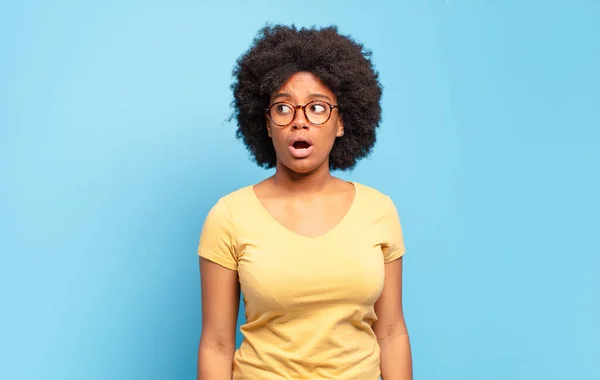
{"x":389,"y":332}
{"x":215,"y":357}
{"x":223,"y":346}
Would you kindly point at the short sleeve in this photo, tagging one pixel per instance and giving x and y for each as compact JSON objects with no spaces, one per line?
{"x":393,"y":244}
{"x":217,"y":240}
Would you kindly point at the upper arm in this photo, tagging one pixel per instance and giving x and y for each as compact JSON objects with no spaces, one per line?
{"x":388,"y":308}
{"x":219,"y":280}
{"x":392,"y":235}
{"x":220,"y":306}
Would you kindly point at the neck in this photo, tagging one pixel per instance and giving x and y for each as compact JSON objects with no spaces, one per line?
{"x":312,"y":182}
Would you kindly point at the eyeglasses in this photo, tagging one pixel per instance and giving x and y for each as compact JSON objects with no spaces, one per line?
{"x":316,"y":112}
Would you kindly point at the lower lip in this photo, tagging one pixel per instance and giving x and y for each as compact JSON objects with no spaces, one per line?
{"x":300,"y":153}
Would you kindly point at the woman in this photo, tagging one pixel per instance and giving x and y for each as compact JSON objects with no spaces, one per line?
{"x":318,"y":259}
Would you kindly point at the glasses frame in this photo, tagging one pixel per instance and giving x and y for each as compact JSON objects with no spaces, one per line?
{"x":303,"y":107}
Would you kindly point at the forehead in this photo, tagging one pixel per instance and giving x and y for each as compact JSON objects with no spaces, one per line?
{"x":302,"y":86}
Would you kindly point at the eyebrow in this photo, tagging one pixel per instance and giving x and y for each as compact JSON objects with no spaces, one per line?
{"x":287,"y":95}
{"x":282,"y":95}
{"x":320,"y":96}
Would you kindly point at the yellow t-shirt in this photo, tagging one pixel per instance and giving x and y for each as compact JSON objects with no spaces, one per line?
{"x":309,"y":301}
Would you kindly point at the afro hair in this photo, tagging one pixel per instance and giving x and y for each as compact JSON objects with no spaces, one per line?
{"x":340,"y":62}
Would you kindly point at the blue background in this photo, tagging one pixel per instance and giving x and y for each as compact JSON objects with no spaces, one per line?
{"x":114,"y":145}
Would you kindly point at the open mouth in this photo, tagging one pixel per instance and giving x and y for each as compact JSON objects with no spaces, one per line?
{"x":301,"y":147}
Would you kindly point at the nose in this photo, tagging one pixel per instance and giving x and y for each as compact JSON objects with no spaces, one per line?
{"x":300,"y":121}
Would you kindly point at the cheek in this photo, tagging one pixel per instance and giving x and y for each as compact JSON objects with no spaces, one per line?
{"x":329,"y":137}
{"x":279,"y":141}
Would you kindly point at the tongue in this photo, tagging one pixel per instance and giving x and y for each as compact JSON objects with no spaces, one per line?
{"x":301,"y":145}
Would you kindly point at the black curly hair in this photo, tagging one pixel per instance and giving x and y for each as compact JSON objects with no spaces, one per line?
{"x":340,"y":62}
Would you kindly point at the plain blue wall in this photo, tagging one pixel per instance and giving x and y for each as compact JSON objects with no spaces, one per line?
{"x":114,"y":145}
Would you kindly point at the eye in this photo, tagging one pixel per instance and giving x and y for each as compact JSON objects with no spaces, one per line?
{"x":318,"y":108}
{"x":283,"y":109}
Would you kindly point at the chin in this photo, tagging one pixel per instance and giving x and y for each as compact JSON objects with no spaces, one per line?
{"x":304,"y":166}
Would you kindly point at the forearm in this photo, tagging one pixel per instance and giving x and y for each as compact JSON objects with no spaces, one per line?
{"x":214,"y":364}
{"x":396,"y":358}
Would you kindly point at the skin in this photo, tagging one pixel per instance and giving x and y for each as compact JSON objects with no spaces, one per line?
{"x":323,"y":202}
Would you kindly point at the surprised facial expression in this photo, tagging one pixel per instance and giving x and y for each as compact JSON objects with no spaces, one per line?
{"x":303,"y":137}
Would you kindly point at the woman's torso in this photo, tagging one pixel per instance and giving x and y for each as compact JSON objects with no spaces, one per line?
{"x":309,"y":300}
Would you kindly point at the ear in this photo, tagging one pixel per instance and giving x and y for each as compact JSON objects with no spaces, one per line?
{"x":340,"y":128}
{"x":269,"y":128}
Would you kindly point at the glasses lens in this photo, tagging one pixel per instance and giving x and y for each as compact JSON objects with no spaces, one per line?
{"x":282,"y":113}
{"x":318,"y":112}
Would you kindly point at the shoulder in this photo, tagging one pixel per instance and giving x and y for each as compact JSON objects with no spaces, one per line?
{"x":235,"y":199}
{"x":228,"y":209}
{"x":381,"y":208}
{"x":372,"y":197}
{"x":234,"y":208}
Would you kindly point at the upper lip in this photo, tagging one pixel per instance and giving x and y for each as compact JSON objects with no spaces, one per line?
{"x":300,"y":138}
